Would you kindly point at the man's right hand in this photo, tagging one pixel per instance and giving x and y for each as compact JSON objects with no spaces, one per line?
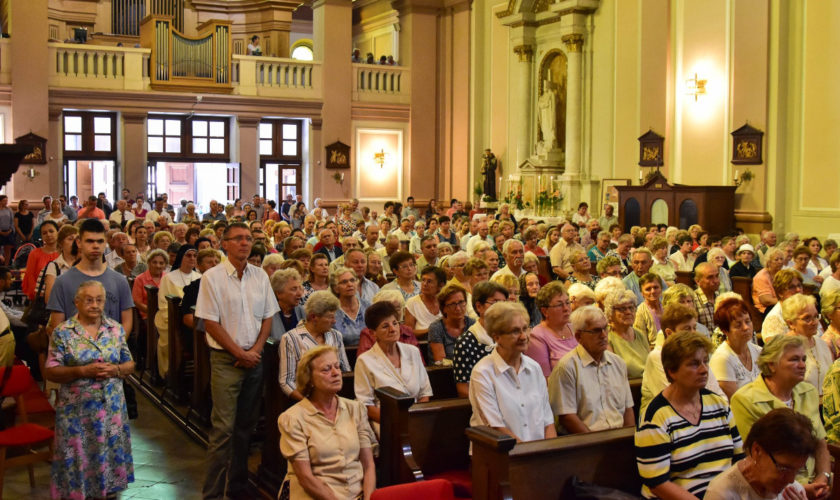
{"x":248,"y":359}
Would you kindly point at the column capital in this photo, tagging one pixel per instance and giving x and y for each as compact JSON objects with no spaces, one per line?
{"x":248,"y":121}
{"x":573,"y":41}
{"x":129,"y":117}
{"x":320,"y":3}
{"x":525,"y":52}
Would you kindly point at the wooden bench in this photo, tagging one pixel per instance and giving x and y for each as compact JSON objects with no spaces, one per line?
{"x":152,"y":334}
{"x":503,"y":469}
{"x":423,"y":440}
{"x":743,"y":286}
{"x":201,"y":402}
{"x":686,"y":278}
{"x":177,"y":381}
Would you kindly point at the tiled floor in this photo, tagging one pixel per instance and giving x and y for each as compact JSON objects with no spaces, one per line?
{"x":167,"y":464}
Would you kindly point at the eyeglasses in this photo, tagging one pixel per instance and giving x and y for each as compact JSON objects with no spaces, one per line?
{"x":598,"y":331}
{"x":564,"y":303}
{"x":459,"y":304}
{"x":94,"y":300}
{"x":624,"y":308}
{"x":347,"y":281}
{"x":783,"y":469}
{"x":517,"y":331}
{"x":809,"y":319}
{"x":240,"y":239}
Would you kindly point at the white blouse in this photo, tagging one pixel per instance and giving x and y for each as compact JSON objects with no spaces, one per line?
{"x":374,"y":370}
{"x":421,"y":313}
{"x":727,"y":367}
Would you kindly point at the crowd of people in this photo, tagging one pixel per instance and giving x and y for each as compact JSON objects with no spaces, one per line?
{"x":539,"y":353}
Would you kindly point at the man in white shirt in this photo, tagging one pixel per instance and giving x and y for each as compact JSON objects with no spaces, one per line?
{"x":237,"y":304}
{"x":473,"y":231}
{"x":404,"y":232}
{"x":563,"y":250}
{"x":588,"y":388}
{"x":392,"y":244}
{"x":481,"y":235}
{"x":514,"y":253}
{"x":159,"y":214}
{"x":832,"y":281}
{"x":122,"y":214}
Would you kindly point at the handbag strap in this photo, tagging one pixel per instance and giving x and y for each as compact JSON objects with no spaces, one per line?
{"x":43,"y":277}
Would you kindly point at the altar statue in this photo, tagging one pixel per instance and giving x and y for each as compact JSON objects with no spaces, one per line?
{"x":547,"y":117}
{"x":488,"y":169}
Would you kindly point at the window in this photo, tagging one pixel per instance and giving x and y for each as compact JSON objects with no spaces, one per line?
{"x":280,"y":139}
{"x":281,"y":158}
{"x":182,"y":137}
{"x":302,"y":50}
{"x":90,"y":153}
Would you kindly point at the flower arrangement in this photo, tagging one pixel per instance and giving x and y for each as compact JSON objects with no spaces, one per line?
{"x":548,"y":201}
{"x":514,"y":196}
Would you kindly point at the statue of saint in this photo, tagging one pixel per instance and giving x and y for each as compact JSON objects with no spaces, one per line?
{"x":547,"y":117}
{"x":488,"y":169}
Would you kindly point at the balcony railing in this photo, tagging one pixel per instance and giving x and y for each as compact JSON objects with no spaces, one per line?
{"x":376,"y":83}
{"x":5,"y":61}
{"x":277,"y":77}
{"x":96,"y":66}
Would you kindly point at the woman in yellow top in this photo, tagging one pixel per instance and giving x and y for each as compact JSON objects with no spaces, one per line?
{"x":624,"y":339}
{"x":326,"y":438}
{"x":782,"y":365}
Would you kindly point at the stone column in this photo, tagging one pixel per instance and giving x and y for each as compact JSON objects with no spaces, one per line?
{"x":133,"y":164}
{"x":249,"y":156}
{"x":574,"y":98}
{"x":523,"y":143}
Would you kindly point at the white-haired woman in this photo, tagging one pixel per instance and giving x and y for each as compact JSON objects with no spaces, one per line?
{"x":326,"y":438}
{"x":717,"y":257}
{"x":350,"y":317}
{"x":288,"y":289}
{"x":515,"y":405}
{"x":624,"y":339}
{"x":317,"y":329}
{"x":581,"y":296}
{"x":608,"y":286}
{"x":800,"y":313}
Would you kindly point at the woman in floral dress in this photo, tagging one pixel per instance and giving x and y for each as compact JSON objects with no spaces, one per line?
{"x":89,"y":357}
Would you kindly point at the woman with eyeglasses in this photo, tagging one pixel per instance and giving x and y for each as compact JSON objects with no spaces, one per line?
{"x":444,"y":333}
{"x":350,"y":317}
{"x":777,"y":446}
{"x":782,"y":385}
{"x":800,"y":313}
{"x":515,"y":405}
{"x":553,"y":337}
{"x":801,"y":260}
{"x":624,"y":339}
{"x":404,"y":267}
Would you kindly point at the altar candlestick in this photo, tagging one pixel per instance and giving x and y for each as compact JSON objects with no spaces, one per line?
{"x":641,"y":176}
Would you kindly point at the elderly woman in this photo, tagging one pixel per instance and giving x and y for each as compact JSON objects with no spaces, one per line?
{"x":649,"y":311}
{"x":349,"y":319}
{"x":444,"y":333}
{"x":745,"y":267}
{"x":630,"y":343}
{"x":681,"y":293}
{"x":510,"y":282}
{"x":686,"y":435}
{"x":319,"y":276}
{"x":172,"y":283}
{"x":288,"y":289}
{"x":475,"y":271}
{"x":778,"y":445}
{"x":422,"y":310}
{"x":581,"y":296}
{"x":326,"y":439}
{"x":581,"y":267}
{"x":786,"y":283}
{"x":374,"y":268}
{"x":531,"y":237}
{"x":367,"y":339}
{"x":734,"y":362}
{"x":782,"y":365}
{"x":763,"y":295}
{"x":507,"y":390}
{"x":553,"y":337}
{"x":157,"y":260}
{"x":316,"y":330}
{"x":271,"y":263}
{"x":830,"y":304}
{"x":717,"y":257}
{"x":800,"y":313}
{"x":389,"y":363}
{"x":801,"y":262}
{"x":404,"y":267}
{"x":529,"y":288}
{"x":88,"y":356}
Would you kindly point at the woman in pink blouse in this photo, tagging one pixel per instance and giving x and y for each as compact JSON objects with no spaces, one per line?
{"x":157,"y":261}
{"x":553,"y":337}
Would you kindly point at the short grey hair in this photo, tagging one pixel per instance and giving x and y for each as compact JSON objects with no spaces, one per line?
{"x":281,"y":277}
{"x":497,"y":318}
{"x":579,"y":290}
{"x":457,"y":257}
{"x":725,"y":296}
{"x":509,"y":243}
{"x":338,"y":271}
{"x":320,"y":303}
{"x":829,"y":302}
{"x":394,"y":297}
{"x":617,"y":299}
{"x":772,"y":253}
{"x":158,"y":253}
{"x":775,"y":348}
{"x":583,"y":316}
{"x":88,"y":284}
{"x":794,"y":305}
{"x":715,"y":253}
{"x":608,"y":285}
{"x":676,"y":292}
{"x":272,"y":259}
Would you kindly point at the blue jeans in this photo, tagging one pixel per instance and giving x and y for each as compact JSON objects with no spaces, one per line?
{"x":236,"y":396}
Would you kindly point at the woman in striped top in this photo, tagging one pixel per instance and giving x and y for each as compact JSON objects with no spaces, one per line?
{"x":686,"y":435}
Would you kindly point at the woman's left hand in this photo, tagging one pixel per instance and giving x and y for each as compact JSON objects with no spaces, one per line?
{"x":791,"y":493}
{"x":106,"y":370}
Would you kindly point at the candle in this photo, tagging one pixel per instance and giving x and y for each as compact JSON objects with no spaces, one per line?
{"x":736,"y":175}
{"x":640,"y":175}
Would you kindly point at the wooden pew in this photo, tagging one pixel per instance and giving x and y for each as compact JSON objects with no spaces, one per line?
{"x":422,"y":440}
{"x":442,"y":380}
{"x":152,"y":335}
{"x":834,"y":451}
{"x":503,"y":469}
{"x":544,"y":266}
{"x":636,"y":391}
{"x":201,"y":402}
{"x":743,"y":286}
{"x":177,"y":383}
{"x":686,"y":278}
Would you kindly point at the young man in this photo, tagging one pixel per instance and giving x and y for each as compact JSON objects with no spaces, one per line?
{"x":237,"y":304}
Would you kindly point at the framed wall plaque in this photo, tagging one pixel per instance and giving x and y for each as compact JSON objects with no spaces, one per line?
{"x":338,"y":155}
{"x":39,"y":148}
{"x":651,"y":146}
{"x":746,"y":145}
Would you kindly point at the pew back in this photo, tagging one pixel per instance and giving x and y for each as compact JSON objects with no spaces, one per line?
{"x":151,"y":332}
{"x":543,"y":469}
{"x":743,"y":286}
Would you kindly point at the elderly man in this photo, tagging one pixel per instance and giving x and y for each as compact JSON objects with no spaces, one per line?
{"x":159,"y":214}
{"x":429,"y":251}
{"x":122,"y":214}
{"x":564,"y":248}
{"x":404,"y":232}
{"x":601,"y":248}
{"x":216,"y":212}
{"x":483,"y":231}
{"x":392,"y":244}
{"x":473,"y":231}
{"x":767,"y":242}
{"x":356,"y":260}
{"x":708,"y":281}
{"x":642,"y":261}
{"x":372,"y":237}
{"x":114,"y":258}
{"x":327,"y":240}
{"x":588,"y":388}
{"x":514,"y":253}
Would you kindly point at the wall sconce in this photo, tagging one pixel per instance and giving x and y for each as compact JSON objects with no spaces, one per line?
{"x":379,"y":158}
{"x":695,"y":86}
{"x":31,"y":174}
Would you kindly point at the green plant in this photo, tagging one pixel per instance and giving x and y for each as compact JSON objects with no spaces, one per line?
{"x":478,"y":190}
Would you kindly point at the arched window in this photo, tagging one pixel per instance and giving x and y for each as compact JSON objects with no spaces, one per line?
{"x":302,"y":50}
